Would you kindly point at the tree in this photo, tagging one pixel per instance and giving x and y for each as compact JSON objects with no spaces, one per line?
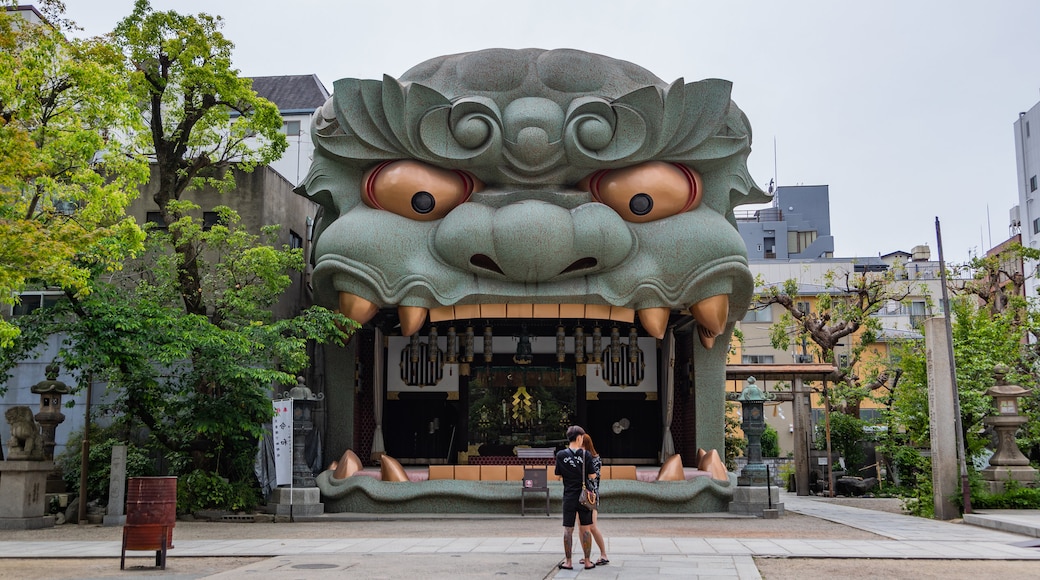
{"x":202,"y":117}
{"x":201,"y":389}
{"x":981,"y":340}
{"x":999,"y":280}
{"x":844,"y":311}
{"x":63,"y":189}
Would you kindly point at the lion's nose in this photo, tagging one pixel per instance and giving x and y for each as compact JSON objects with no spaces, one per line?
{"x":533,"y":241}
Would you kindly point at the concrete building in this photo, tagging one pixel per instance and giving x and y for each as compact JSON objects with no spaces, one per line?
{"x":798,"y":226}
{"x":1026,"y":215}
{"x":792,"y":241}
{"x":297,"y":97}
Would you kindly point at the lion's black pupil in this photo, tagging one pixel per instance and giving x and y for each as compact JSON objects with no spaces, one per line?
{"x":641,"y":204}
{"x":423,"y":202}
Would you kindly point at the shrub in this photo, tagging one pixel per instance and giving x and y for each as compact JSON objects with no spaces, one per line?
{"x":1015,"y":496}
{"x":99,"y":461}
{"x":770,"y":442}
{"x":204,"y":490}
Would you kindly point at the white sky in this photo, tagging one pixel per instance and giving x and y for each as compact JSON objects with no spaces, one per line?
{"x":904,"y":107}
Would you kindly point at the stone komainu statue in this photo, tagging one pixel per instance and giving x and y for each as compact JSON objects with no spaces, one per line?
{"x":26,"y":439}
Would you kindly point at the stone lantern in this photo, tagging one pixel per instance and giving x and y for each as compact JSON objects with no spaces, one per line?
{"x":50,"y":415}
{"x":752,"y":401}
{"x":1007,"y":462}
{"x":754,"y":495}
{"x":304,"y":402}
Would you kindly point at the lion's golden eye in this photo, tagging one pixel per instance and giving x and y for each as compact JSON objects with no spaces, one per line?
{"x":646,"y":192}
{"x":416,"y":190}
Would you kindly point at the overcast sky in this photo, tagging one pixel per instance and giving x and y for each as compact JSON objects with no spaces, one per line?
{"x":904,"y":108}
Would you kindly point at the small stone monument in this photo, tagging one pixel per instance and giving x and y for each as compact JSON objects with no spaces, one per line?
{"x":1007,"y":462}
{"x":23,"y":476}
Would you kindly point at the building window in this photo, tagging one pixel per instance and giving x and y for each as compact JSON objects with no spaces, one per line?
{"x":1036,"y":226}
{"x":295,"y":241}
{"x":291,"y":128}
{"x":210,"y":219}
{"x":764,"y":314}
{"x":918,"y":312}
{"x":803,"y":307}
{"x":31,"y":301}
{"x":1032,"y":183}
{"x":757,"y":359}
{"x":155,"y":218}
{"x":843,"y":361}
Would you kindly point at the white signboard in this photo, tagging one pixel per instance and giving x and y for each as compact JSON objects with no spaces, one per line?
{"x":282,"y":428}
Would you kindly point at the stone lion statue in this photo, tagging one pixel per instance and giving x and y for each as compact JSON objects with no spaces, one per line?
{"x":26,"y":439}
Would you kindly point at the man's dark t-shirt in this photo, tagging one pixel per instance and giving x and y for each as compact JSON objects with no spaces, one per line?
{"x":569,"y":466}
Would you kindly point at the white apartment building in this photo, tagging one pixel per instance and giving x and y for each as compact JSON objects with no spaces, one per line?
{"x":1026,"y":215}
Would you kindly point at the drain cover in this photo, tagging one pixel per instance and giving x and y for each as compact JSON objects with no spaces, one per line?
{"x":314,"y":566}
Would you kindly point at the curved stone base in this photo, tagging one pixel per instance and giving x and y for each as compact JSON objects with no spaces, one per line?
{"x":368,"y":495}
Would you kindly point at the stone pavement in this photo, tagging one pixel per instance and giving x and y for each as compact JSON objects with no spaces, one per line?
{"x":907,"y":537}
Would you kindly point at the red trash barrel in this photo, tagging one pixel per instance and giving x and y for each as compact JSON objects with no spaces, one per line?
{"x":151,"y":505}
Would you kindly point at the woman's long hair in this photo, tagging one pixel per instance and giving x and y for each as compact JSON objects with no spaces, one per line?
{"x":586,"y":442}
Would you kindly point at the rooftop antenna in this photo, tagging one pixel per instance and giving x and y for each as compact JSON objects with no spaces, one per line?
{"x":774,"y":184}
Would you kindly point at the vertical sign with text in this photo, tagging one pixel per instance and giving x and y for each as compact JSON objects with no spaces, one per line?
{"x":282,"y":429}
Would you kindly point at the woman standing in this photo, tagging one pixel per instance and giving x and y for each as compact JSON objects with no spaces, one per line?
{"x":593,"y":483}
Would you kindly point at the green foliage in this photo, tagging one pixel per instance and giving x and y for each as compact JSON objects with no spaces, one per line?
{"x":847,"y":438}
{"x":63,"y":189}
{"x":201,"y":115}
{"x":770,"y":442}
{"x":200,"y":385}
{"x":1015,"y":496}
{"x":99,"y":460}
{"x":734,"y":442}
{"x":202,"y":490}
{"x":841,"y":314}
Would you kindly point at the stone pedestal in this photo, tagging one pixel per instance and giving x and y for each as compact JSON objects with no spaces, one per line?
{"x":995,"y":476}
{"x":23,"y":498}
{"x":304,"y":501}
{"x":755,"y":500}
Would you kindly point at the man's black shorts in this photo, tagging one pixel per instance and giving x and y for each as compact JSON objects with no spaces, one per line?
{"x":572,"y":507}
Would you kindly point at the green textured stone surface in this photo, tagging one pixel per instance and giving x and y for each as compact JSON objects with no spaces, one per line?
{"x":363,"y":494}
{"x":530,"y":124}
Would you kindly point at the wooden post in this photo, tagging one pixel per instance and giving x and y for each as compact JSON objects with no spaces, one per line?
{"x":801,"y":437}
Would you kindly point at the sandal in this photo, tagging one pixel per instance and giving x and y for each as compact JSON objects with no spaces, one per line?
{"x":565,"y":567}
{"x":602,"y":562}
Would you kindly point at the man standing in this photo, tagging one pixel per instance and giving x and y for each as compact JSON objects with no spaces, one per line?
{"x":574,"y":465}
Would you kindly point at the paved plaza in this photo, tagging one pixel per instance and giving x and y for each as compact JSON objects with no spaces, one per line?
{"x":982,"y":537}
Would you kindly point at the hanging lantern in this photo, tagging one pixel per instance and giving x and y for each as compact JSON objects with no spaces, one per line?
{"x":466,"y":352}
{"x":414,"y":349}
{"x":467,"y":345}
{"x":452,"y":347}
{"x":597,"y":345}
{"x":432,"y":344}
{"x":633,"y":346}
{"x":488,"y":351}
{"x":579,"y":352}
{"x":615,"y":345}
{"x":561,"y":344}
